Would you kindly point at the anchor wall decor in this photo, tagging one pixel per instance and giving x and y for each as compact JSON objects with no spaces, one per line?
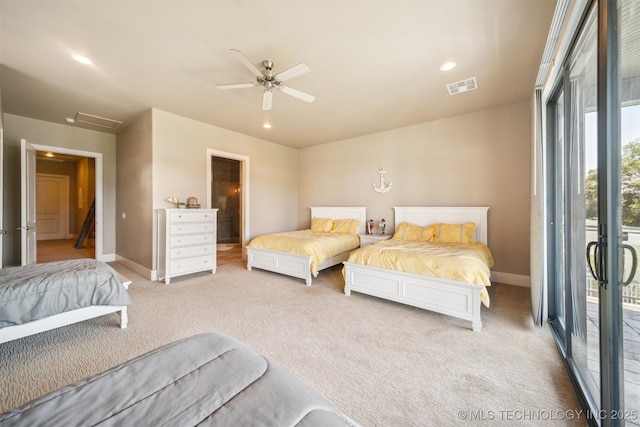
{"x":383,"y":187}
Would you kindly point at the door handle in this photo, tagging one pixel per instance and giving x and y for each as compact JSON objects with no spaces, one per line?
{"x":25,"y":228}
{"x":594,"y":262}
{"x":634,"y":263}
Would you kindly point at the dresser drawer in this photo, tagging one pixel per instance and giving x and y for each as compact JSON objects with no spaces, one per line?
{"x":190,"y":265}
{"x":188,"y":228}
{"x":192,"y":216}
{"x":191,"y":239}
{"x":191,"y":251}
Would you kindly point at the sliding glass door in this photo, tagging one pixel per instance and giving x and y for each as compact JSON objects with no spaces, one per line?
{"x":574,"y":308}
{"x":628,"y":111}
{"x":595,"y":212}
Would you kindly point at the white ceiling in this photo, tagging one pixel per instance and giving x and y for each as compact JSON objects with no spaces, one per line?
{"x":374,"y":64}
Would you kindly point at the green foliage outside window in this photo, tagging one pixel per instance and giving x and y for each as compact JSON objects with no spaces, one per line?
{"x":630,"y":186}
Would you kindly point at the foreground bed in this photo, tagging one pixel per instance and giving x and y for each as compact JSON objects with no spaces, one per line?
{"x":461,"y":299}
{"x":42,"y":297}
{"x":208,"y":379}
{"x":269,"y":255}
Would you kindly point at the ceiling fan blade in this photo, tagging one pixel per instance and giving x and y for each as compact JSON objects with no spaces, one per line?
{"x":236,"y":85}
{"x":247,"y":63}
{"x":292,"y":72}
{"x":297,"y":94}
{"x":267,"y":100}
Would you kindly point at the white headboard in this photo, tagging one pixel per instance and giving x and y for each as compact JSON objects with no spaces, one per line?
{"x":450,"y":215}
{"x":340,"y":212}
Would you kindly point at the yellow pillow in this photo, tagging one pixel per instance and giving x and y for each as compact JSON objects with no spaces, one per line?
{"x":345,"y":226}
{"x":454,"y":233}
{"x":413,"y":233}
{"x":321,"y":225}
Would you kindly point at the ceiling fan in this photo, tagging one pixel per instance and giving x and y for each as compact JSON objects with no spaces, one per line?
{"x":271,"y":80}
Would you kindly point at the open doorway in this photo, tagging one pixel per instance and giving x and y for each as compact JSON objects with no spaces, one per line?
{"x":225,"y":196}
{"x":227,"y":191}
{"x":65,"y":194}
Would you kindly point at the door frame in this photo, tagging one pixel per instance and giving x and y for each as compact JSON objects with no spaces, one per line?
{"x":244,"y":189}
{"x":99,"y":218}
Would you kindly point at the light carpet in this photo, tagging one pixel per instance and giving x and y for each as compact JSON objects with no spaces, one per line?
{"x":382,"y":363}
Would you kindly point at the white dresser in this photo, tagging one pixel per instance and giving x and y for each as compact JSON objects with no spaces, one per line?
{"x":186,"y":242}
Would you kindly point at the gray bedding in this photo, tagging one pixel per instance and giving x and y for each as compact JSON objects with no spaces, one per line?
{"x":41,"y":290}
{"x":205,"y":380}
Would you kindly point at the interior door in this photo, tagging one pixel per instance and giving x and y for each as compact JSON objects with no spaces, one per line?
{"x":52,"y":206}
{"x":28,"y":202}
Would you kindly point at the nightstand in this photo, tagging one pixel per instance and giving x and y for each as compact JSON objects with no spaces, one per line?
{"x":367,"y":239}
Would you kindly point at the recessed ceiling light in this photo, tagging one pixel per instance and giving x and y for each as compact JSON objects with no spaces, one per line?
{"x":448,"y":66}
{"x":267,"y":125}
{"x":82,"y":59}
{"x":70,"y":120}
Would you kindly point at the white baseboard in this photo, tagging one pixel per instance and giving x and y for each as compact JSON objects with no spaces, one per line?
{"x":141,"y":270}
{"x":108,"y":257}
{"x":511,"y":279}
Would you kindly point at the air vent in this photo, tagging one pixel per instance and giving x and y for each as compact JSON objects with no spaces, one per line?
{"x":88,"y":119}
{"x":462,"y":86}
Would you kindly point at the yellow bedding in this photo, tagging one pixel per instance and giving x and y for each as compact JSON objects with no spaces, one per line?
{"x":469,"y":263}
{"x":319,"y":246}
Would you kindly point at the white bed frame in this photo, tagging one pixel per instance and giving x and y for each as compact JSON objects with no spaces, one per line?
{"x":448,"y":297}
{"x":11,"y":333}
{"x":300,"y":265}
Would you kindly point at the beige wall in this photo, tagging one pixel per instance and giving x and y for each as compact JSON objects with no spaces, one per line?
{"x":56,"y":135}
{"x":134,"y":184}
{"x":478,"y":159}
{"x":180,"y":169}
{"x":162,"y":154}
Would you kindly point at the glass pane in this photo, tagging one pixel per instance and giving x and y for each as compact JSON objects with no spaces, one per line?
{"x":629,"y":16}
{"x":560,"y":238}
{"x":583,"y":208}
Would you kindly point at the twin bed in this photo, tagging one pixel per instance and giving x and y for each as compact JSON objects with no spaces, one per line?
{"x":444,"y":264}
{"x":448,"y":275}
{"x":303,"y":253}
{"x":42,"y":297}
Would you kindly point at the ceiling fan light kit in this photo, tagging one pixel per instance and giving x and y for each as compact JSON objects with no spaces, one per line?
{"x":270,"y":80}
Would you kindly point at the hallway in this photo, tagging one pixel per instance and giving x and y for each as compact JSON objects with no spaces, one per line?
{"x":60,"y":250}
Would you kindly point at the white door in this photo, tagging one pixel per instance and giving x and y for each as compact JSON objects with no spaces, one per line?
{"x":28,"y":202}
{"x":52,"y":206}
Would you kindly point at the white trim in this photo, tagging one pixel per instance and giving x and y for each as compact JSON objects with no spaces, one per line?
{"x":99,"y":219}
{"x":511,"y":279}
{"x":245,"y":189}
{"x":137,"y":268}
